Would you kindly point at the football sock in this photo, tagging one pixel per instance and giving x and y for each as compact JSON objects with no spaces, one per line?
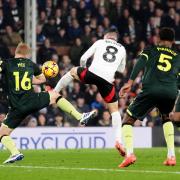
{"x":67,"y":107}
{"x":128,"y":138}
{"x":116,"y":124}
{"x":63,"y":82}
{"x":9,"y":144}
{"x":169,"y":137}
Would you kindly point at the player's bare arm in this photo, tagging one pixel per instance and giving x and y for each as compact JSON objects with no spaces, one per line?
{"x":39,"y":79}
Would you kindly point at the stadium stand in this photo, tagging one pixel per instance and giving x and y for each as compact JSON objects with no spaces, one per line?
{"x":66,"y":28}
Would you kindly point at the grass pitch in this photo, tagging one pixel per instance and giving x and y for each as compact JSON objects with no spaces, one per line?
{"x":89,"y":164}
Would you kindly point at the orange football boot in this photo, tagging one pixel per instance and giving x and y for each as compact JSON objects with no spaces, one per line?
{"x":128,"y":161}
{"x":170,"y":161}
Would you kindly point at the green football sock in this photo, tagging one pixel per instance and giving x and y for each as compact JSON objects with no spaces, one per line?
{"x":10,"y":145}
{"x":169,"y":137}
{"x":67,"y":107}
{"x":128,"y":138}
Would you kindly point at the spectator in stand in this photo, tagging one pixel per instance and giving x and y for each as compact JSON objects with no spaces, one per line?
{"x":115,"y":11}
{"x":131,"y":29}
{"x":76,"y":91}
{"x":40,"y":37}
{"x":64,"y":7}
{"x":50,"y":29}
{"x":42,"y":18}
{"x":105,"y":119}
{"x":149,"y":10}
{"x":41,"y":120}
{"x":158,"y":17}
{"x":4,"y":51}
{"x":101,"y":14}
{"x":61,"y":37}
{"x":177,"y":26}
{"x":177,"y":6}
{"x":76,"y":51}
{"x":72,"y":15}
{"x":123,"y":21}
{"x":90,"y":93}
{"x":49,"y":8}
{"x":3,"y":22}
{"x":32,"y":122}
{"x":15,"y":12}
{"x":98,"y":103}
{"x":66,"y":63}
{"x":100,"y":32}
{"x":45,"y":52}
{"x":11,"y":38}
{"x":86,"y":19}
{"x":60,"y":21}
{"x":86,"y":37}
{"x":81,"y":10}
{"x":151,"y":26}
{"x":106,"y":23}
{"x":81,"y":105}
{"x":59,"y":120}
{"x":74,"y":31}
{"x":93,"y":24}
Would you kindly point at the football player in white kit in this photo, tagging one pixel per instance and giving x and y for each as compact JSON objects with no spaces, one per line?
{"x":108,"y":57}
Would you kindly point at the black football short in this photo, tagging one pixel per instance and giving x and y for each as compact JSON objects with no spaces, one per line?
{"x":106,"y":89}
{"x":26,"y":105}
{"x":145,"y":102}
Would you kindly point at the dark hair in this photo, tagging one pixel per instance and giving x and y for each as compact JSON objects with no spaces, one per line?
{"x":112,"y":29}
{"x":167,"y":34}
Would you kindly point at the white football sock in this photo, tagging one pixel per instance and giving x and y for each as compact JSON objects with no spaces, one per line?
{"x":171,"y":152}
{"x":117,"y":125}
{"x":63,"y":82}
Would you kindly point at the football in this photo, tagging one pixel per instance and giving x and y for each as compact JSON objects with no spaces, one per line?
{"x":50,"y":69}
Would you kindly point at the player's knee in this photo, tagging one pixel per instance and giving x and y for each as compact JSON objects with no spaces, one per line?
{"x":174,"y":116}
{"x":128,"y":120}
{"x":73,"y":72}
{"x":53,"y":96}
{"x":5,"y":131}
{"x":113,"y":107}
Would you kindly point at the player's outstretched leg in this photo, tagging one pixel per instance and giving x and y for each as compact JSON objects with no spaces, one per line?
{"x":9,"y":144}
{"x":168,"y":129}
{"x":117,"y":126}
{"x":67,"y":107}
{"x":128,"y":140}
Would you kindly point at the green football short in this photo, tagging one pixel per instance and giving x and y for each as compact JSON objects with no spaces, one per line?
{"x":145,"y":102}
{"x":177,"y":105}
{"x":27,"y":104}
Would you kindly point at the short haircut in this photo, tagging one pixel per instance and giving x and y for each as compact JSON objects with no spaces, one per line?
{"x":23,"y":49}
{"x":112,"y":30}
{"x":167,"y":34}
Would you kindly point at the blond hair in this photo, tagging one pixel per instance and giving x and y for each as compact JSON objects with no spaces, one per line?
{"x":23,"y":49}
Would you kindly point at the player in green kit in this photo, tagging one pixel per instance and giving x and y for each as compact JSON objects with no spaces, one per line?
{"x":161,"y":65}
{"x":20,"y":74}
{"x":175,"y":115}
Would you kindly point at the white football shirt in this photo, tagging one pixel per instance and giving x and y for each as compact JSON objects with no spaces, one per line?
{"x":108,"y":57}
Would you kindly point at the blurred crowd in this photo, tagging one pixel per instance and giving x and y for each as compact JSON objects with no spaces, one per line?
{"x":77,"y":24}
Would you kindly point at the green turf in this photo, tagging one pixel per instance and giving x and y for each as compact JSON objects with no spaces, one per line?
{"x":103,"y":163}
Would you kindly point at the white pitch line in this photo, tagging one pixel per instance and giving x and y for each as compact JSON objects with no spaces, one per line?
{"x":91,"y":169}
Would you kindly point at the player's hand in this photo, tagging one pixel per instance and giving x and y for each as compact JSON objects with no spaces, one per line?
{"x":125,"y":89}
